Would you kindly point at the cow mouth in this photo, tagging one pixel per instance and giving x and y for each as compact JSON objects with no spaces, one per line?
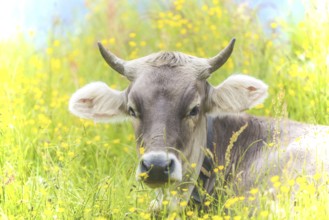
{"x":158,"y":183}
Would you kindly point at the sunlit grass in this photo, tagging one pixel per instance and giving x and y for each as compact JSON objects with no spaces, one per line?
{"x":56,"y":166}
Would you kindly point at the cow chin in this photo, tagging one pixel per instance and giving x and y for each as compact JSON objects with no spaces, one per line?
{"x":159,"y":169}
{"x":154,"y":185}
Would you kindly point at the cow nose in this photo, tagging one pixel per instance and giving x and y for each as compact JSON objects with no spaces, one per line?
{"x":165,"y":167}
{"x":158,"y":170}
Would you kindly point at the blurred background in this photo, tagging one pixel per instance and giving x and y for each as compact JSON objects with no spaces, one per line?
{"x":38,"y":17}
{"x":277,"y":41}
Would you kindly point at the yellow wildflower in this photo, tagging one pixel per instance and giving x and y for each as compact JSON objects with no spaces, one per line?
{"x":284,"y":189}
{"x":275,"y":179}
{"x":60,"y":210}
{"x":132,"y":43}
{"x":254,"y":191}
{"x":251,"y":198}
{"x":97,"y":138}
{"x":172,"y":216}
{"x":274,"y":25}
{"x":231,"y":202}
{"x":56,"y":43}
{"x":264,"y":214}
{"x":183,"y":31}
{"x":276,"y":184}
{"x":112,"y":41}
{"x":317,"y":176}
{"x":270,"y":144}
{"x":116,"y":141}
{"x":216,"y":217}
{"x":206,"y":216}
{"x":183,"y":204}
{"x":132,"y":35}
{"x":141,"y":150}
{"x":173,"y":193}
{"x":241,"y":198}
{"x":143,"y":175}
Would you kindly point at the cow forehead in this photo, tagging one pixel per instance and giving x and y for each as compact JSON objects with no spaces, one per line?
{"x":168,"y":59}
{"x":173,"y":83}
{"x":166,"y":75}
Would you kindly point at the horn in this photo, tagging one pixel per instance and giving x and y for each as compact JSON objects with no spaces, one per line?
{"x":218,"y":60}
{"x":113,"y":61}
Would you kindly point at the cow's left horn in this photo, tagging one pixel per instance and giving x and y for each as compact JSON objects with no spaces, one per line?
{"x":113,"y":61}
{"x":218,"y":60}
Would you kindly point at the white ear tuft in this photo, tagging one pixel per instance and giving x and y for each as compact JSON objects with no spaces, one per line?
{"x":98,"y":102}
{"x":237,"y":93}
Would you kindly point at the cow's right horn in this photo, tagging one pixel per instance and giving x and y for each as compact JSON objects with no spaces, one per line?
{"x":113,"y":61}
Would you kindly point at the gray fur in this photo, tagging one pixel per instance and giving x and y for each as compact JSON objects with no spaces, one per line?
{"x":266,"y":148}
{"x":165,"y":87}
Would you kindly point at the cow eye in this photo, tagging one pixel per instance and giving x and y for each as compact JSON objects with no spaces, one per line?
{"x":194,"y":111}
{"x":132,"y":112}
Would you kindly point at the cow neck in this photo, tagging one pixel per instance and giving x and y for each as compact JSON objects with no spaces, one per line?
{"x":206,"y":171}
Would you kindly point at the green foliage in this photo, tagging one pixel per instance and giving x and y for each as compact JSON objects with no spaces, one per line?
{"x":54,"y":165}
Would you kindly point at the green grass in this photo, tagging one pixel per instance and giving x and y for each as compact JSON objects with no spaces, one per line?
{"x":56,"y":166}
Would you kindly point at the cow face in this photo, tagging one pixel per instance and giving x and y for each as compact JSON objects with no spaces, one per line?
{"x":168,"y":108}
{"x":168,"y":101}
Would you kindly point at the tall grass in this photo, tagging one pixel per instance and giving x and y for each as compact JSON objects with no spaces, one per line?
{"x":56,"y":166}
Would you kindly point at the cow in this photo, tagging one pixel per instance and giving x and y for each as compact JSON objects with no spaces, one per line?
{"x":185,"y":127}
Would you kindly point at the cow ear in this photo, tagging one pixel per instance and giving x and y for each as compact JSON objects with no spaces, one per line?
{"x":236,"y":94}
{"x":98,"y":102}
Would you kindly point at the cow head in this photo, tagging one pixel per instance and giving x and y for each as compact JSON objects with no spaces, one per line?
{"x":168,"y":101}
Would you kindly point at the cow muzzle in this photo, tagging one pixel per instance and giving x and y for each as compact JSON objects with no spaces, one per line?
{"x":158,"y":169}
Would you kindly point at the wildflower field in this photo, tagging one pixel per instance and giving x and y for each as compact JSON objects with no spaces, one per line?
{"x":56,"y":166}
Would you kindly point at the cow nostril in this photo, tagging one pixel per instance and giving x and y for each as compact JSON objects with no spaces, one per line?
{"x":169,"y":167}
{"x":145,"y":166}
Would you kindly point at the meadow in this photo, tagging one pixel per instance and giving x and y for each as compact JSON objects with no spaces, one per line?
{"x":56,"y":166}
